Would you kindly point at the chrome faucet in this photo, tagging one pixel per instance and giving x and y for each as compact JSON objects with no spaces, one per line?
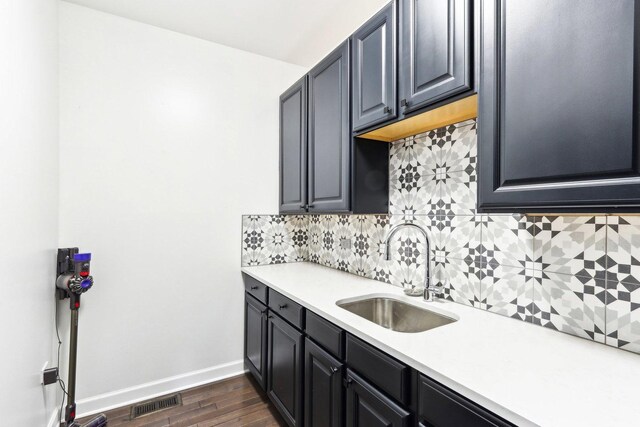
{"x":429,"y":293}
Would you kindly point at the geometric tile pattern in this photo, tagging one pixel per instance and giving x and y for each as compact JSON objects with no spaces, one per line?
{"x":434,"y":173}
{"x":274,"y":239}
{"x":575,"y":274}
{"x":623,"y":282}
{"x":461,"y":280}
{"x":572,"y":245}
{"x":572,"y":304}
{"x":623,"y":249}
{"x":507,"y":291}
{"x":507,"y":240}
{"x":623,"y":315}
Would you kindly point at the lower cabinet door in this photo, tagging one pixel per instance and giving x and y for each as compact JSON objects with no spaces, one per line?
{"x":441,"y":407}
{"x":255,"y":338}
{"x":367,"y":407}
{"x":324,"y":393}
{"x":285,"y":373}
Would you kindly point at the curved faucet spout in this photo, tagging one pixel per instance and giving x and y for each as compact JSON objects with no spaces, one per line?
{"x":428,"y":291}
{"x":395,"y":229}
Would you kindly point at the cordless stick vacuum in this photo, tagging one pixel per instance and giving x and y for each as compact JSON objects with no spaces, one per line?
{"x":74,"y":279}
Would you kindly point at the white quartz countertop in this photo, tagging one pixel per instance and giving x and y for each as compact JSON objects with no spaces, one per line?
{"x":529,"y":375}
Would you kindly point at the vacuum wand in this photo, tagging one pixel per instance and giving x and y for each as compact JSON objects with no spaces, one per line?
{"x":74,"y":279}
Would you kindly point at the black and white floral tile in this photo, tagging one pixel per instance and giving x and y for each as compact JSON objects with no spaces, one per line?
{"x":575,"y":274}
{"x":274,"y":239}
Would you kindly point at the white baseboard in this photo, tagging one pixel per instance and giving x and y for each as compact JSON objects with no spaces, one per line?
{"x":53,"y":419}
{"x":130,"y":395}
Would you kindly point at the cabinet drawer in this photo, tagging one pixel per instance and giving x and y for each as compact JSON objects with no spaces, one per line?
{"x":366,"y":406}
{"x":290,"y":311}
{"x":439,"y":406}
{"x":326,"y":334}
{"x":386,"y":373}
{"x":256,"y":289}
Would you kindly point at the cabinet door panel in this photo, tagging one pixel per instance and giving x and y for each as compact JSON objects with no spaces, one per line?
{"x":325,"y":333}
{"x":374,"y":69}
{"x":285,"y":361}
{"x":366,"y":406}
{"x":559,"y":105}
{"x":581,"y":74}
{"x":386,"y":373}
{"x":435,"y":51}
{"x":255,"y":339}
{"x":323,"y":388}
{"x":293,"y":148}
{"x":439,"y":406}
{"x":330,"y":133}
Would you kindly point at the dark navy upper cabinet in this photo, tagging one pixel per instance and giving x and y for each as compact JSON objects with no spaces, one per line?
{"x":436,"y":51}
{"x":373,"y":90}
{"x":559,"y":106}
{"x":330,"y":134}
{"x":293,"y":148}
{"x":323,"y":169}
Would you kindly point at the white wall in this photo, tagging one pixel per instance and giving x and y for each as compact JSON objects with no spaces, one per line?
{"x":28,"y":206}
{"x":165,"y":141}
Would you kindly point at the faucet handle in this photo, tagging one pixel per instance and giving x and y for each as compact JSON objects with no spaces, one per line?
{"x":432,"y":292}
{"x":382,"y":249}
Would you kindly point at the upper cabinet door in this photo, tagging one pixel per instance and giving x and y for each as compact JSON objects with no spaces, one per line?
{"x":435,"y":51}
{"x":374,"y":69}
{"x":293,"y":148}
{"x":559,"y":99}
{"x":330,"y":133}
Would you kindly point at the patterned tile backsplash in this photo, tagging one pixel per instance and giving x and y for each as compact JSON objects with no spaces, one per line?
{"x":575,"y":274}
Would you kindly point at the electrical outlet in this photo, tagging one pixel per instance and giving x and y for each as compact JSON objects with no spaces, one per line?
{"x":42,"y":372}
{"x":49,"y":375}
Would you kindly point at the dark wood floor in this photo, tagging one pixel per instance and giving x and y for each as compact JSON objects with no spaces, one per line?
{"x":236,"y":401}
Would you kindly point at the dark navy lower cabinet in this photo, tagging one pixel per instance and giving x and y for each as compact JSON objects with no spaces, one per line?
{"x":255,"y":338}
{"x":323,"y":389}
{"x":332,"y":379}
{"x":366,"y":406}
{"x":388,"y":374}
{"x":285,"y":377}
{"x":440,"y":407}
{"x":559,"y":106}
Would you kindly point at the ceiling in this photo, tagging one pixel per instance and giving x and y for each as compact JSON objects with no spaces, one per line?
{"x":296,"y":31}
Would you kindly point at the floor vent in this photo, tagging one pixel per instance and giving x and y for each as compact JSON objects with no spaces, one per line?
{"x":155,"y":405}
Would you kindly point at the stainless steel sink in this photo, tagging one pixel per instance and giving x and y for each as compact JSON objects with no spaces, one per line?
{"x":395,"y":314}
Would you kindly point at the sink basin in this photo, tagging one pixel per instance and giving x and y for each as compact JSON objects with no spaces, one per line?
{"x":394,"y":314}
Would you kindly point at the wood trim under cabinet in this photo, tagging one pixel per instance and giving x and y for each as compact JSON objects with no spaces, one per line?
{"x":455,"y":112}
